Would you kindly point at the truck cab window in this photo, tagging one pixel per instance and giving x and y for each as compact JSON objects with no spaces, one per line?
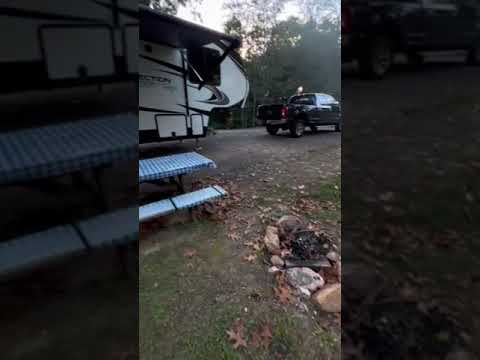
{"x":323,"y":99}
{"x":205,"y":62}
{"x":303,"y":100}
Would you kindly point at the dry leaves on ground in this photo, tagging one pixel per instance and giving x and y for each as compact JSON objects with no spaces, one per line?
{"x":236,"y":335}
{"x":284,"y":295}
{"x":282,"y":290}
{"x":262,"y":335}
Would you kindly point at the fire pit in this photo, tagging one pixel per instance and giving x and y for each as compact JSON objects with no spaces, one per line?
{"x":307,"y":245}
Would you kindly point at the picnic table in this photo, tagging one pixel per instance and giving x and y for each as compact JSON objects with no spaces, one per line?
{"x":55,"y":150}
{"x":174,"y":167}
{"x":36,"y":155}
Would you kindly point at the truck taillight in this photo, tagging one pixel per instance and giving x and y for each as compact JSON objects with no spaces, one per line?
{"x":346,"y":19}
{"x":284,"y":112}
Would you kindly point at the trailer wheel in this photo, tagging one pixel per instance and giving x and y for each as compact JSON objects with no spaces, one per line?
{"x":297,"y":128}
{"x":272,"y":130}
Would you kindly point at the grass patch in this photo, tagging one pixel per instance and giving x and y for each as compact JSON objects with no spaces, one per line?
{"x":330,"y":191}
{"x":324,"y":215}
{"x":212,"y":343}
{"x":286,"y":338}
{"x":326,"y":340}
{"x":165,"y":276}
{"x":188,"y":304}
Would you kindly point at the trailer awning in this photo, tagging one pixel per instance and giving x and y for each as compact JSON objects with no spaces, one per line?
{"x":165,"y":29}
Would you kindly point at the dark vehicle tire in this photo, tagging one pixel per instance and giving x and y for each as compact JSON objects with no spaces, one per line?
{"x":297,"y":128}
{"x":272,"y":130}
{"x":377,"y":59}
{"x":415,"y":59}
{"x":473,"y":57}
{"x":314,"y":129}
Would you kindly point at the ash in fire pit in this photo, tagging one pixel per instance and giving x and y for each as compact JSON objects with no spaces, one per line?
{"x":309,"y":246}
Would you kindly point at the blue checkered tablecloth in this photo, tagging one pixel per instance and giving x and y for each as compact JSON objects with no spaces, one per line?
{"x":59,"y":149}
{"x":172,"y":165}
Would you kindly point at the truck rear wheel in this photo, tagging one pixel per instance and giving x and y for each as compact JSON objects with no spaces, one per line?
{"x":377,"y":59}
{"x":473,"y":57}
{"x":297,"y":128}
{"x":272,"y":130}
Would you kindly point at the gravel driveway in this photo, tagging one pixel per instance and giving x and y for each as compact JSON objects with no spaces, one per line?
{"x":236,"y":151}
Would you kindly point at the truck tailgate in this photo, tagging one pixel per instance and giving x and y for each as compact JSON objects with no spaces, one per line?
{"x":269,"y":112}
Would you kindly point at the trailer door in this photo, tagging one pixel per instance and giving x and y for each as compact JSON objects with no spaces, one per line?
{"x":162,"y":92}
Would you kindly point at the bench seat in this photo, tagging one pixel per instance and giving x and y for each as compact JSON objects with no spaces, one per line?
{"x":180,"y":202}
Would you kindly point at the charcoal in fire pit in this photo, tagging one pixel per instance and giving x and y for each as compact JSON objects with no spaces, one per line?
{"x":308,"y":246}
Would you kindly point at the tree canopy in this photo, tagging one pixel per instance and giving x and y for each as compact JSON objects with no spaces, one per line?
{"x":281,"y":55}
{"x":167,"y":6}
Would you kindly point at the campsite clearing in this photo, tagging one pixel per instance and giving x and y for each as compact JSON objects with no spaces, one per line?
{"x":198,"y":277}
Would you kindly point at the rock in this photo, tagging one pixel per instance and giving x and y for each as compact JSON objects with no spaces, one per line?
{"x":304,"y":278}
{"x":271,"y":240}
{"x":274,"y":270}
{"x":277,"y":261}
{"x":312,"y":264}
{"x":329,"y":299}
{"x":287,"y":225}
{"x":333,"y":256}
{"x":305,"y":292}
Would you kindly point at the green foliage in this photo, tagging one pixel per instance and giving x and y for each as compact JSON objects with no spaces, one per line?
{"x":166,"y":6}
{"x":280,"y":56}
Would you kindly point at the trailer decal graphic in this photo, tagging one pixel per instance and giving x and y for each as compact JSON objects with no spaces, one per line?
{"x":166,"y":64}
{"x":218,"y":97}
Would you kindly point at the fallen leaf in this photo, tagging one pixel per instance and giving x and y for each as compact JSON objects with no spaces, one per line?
{"x":262,"y":335}
{"x":285,"y":252}
{"x":283,"y":294}
{"x":189,"y":253}
{"x":236,"y":335}
{"x":233,"y":237}
{"x":250,"y":258}
{"x":255,"y":245}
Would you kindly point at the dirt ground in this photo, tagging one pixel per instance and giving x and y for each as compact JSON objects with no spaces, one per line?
{"x":410,"y":204}
{"x":195,"y":280}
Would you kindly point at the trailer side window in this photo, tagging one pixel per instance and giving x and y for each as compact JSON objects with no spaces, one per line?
{"x":204,"y":62}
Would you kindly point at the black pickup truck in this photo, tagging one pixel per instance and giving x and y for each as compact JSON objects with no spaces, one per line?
{"x":373,"y":31}
{"x":300,"y":111}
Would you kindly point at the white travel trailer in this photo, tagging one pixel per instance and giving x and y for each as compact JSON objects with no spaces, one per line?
{"x":186,"y":71}
{"x":64,"y":44}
